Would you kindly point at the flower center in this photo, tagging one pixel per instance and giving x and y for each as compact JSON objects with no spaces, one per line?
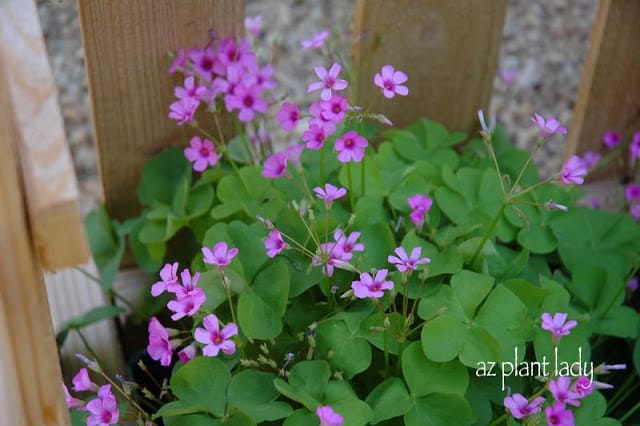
{"x":207,"y":64}
{"x":348,"y":143}
{"x":217,"y":340}
{"x":388,"y":85}
{"x":248,"y":101}
{"x":336,"y":109}
{"x":329,"y":82}
{"x":375,"y":287}
{"x":106,"y":417}
{"x":204,"y":151}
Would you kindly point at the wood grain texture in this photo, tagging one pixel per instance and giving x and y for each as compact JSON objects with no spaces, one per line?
{"x":609,"y":94}
{"x":448,"y":49}
{"x":30,"y":382}
{"x":126,"y":45}
{"x":46,"y":165}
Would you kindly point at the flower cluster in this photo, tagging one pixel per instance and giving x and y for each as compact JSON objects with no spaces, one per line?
{"x":103,"y":410}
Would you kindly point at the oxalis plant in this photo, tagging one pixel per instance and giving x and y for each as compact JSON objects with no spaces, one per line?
{"x":367,"y":275}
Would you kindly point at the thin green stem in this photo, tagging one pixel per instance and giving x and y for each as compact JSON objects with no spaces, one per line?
{"x":362,"y":176}
{"x":532,"y":187}
{"x":89,"y":348}
{"x":618,"y":293}
{"x":489,"y":232}
{"x":351,"y":192}
{"x":385,"y":337}
{"x":492,"y":154}
{"x":526,"y":164}
{"x":322,"y":164}
{"x":227,"y":287}
{"x":109,"y":292}
{"x":619,"y":397}
{"x":630,"y":412}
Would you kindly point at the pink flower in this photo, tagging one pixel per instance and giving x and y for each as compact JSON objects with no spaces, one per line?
{"x":420,"y":204}
{"x":548,"y":127}
{"x":335,"y":108}
{"x":204,"y":60}
{"x":325,"y":258}
{"x":346,"y":244}
{"x":288,"y":116}
{"x":329,"y":194}
{"x":216,"y":340}
{"x":611,"y":139}
{"x":314,"y":137}
{"x":634,"y":211}
{"x":561,"y":391}
{"x":188,"y":353}
{"x":520,"y":407}
{"x":234,"y":56}
{"x":190,"y":89}
{"x":275,"y":166}
{"x":253,"y":24}
{"x":294,"y":152}
{"x":179,"y":62}
{"x":103,"y":409}
{"x":82,"y":382}
{"x":328,"y":417}
{"x":71,"y":401}
{"x":573,"y":171}
{"x":159,"y":347}
{"x":632,"y":192}
{"x":591,"y":158}
{"x":315,"y":109}
{"x":369,"y":287}
{"x":557,"y":325}
{"x":221,"y":255}
{"x":508,"y":76}
{"x":390,"y":80}
{"x":583,"y":386}
{"x":201,"y":153}
{"x":632,"y":284}
{"x":247,"y":100}
{"x":189,"y":298}
{"x":274,"y":243}
{"x":351,"y":147}
{"x":263,"y":77}
{"x":329,"y":81}
{"x":558,"y":415}
{"x":634,"y":147}
{"x":168,"y":278}
{"x":183,"y":110}
{"x":316,"y":42}
{"x":404,"y":263}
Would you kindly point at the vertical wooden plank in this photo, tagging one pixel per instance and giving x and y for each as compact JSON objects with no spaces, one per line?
{"x":49,"y":179}
{"x":609,"y":94}
{"x":31,"y":380}
{"x":126,"y":45}
{"x":449,"y":50}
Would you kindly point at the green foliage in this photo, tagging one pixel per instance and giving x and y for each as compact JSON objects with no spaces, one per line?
{"x":499,"y":258}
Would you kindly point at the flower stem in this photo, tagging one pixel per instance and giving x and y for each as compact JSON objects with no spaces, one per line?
{"x":385,"y":338}
{"x":322,"y":165}
{"x":489,"y":232}
{"x":351,"y":193}
{"x":362,"y":179}
{"x":227,"y":286}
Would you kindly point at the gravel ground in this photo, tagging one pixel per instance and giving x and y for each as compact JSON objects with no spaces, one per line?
{"x":544,"y":41}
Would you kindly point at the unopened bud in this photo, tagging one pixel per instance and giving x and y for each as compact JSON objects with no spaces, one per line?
{"x":91,"y":364}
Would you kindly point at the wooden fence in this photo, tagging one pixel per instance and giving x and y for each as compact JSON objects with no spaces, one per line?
{"x":126,"y":44}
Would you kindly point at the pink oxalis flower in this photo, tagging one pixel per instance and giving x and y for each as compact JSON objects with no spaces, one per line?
{"x":201,"y":153}
{"x":253,"y":24}
{"x":632,"y":192}
{"x":70,"y":400}
{"x":351,"y":147}
{"x":318,"y":119}
{"x":406,"y":263}
{"x":508,"y":76}
{"x":559,"y":415}
{"x":590,"y":159}
{"x":420,"y":204}
{"x":558,"y":324}
{"x":246,"y":98}
{"x":634,"y":147}
{"x":275,"y":166}
{"x":390,"y":81}
{"x":611,"y":139}
{"x":634,"y":211}
{"x":335,"y":108}
{"x":188,"y":353}
{"x":184,"y":110}
{"x":560,"y":388}
{"x":103,"y":409}
{"x":329,"y":81}
{"x":329,"y":194}
{"x":328,"y":417}
{"x":214,"y":339}
{"x":520,"y":407}
{"x":573,"y":171}
{"x":82,"y":382}
{"x":288,"y":116}
{"x":372,"y":287}
{"x":583,"y":386}
{"x":294,"y":152}
{"x":316,"y":42}
{"x":314,"y":136}
{"x":168,"y":278}
{"x":345,"y":245}
{"x":274,"y":243}
{"x":160,"y":348}
{"x":326,"y":258}
{"x":189,"y":297}
{"x":549,"y":126}
{"x":220,"y":256}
